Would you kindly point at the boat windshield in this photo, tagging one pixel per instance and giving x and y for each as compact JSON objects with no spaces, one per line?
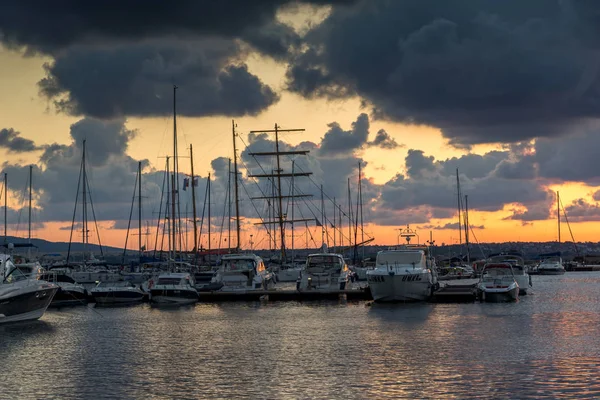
{"x":168,"y":281}
{"x":324,"y":261}
{"x":117,"y":284}
{"x":18,"y":274}
{"x":398,"y":257}
{"x":239,"y":264}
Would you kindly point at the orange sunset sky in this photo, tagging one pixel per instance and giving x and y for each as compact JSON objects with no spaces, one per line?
{"x":510,"y":164}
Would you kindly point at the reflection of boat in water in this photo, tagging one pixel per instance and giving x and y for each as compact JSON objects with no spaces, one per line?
{"x":22,"y":295}
{"x":405,"y":274}
{"x":324,"y":271}
{"x":497,"y":283}
{"x":123,"y":292}
{"x":243,"y":272}
{"x":175,"y":288}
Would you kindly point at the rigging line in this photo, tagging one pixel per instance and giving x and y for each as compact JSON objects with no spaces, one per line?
{"x":223,"y":217}
{"x":252,"y":203}
{"x":569,"y":226}
{"x":477,"y":241}
{"x":129,"y":222}
{"x":21,"y":201}
{"x":162,"y":193}
{"x":74,"y":212}
{"x":198,"y":245}
{"x":326,"y":195}
{"x":94,"y":216}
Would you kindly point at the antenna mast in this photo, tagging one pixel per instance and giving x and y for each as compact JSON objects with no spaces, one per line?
{"x":237,"y":197}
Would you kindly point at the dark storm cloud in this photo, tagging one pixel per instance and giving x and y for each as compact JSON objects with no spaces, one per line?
{"x":137,"y":80}
{"x":429,"y":182}
{"x":581,"y":210}
{"x":384,"y":140}
{"x":12,"y":141}
{"x":482,"y":71}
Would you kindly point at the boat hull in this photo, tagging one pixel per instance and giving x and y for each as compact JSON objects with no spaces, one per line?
{"x":117,"y":297}
{"x":500,"y":296}
{"x":551,"y":271}
{"x":27,"y":306}
{"x":524,"y":283}
{"x":69,"y":297}
{"x":386,"y":288}
{"x":173,"y":297}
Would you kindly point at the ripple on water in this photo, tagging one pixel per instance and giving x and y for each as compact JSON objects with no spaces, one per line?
{"x":545,"y":346}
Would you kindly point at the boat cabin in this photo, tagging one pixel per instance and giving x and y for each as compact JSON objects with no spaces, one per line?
{"x":325,"y":262}
{"x":175,"y":279}
{"x":402,"y":258}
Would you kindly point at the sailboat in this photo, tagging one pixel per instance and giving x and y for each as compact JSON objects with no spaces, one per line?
{"x":69,"y":292}
{"x":125,"y":292}
{"x":553,"y":265}
{"x":174,"y":287}
{"x":90,"y":270}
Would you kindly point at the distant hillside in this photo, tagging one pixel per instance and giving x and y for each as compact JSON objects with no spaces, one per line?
{"x":45,"y":246}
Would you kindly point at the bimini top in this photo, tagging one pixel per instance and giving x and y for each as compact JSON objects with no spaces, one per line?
{"x":498,"y":265}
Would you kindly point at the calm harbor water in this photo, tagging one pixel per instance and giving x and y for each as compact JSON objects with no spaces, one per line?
{"x":546,"y":345}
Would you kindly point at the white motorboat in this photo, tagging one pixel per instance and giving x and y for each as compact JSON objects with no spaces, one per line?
{"x":324,"y":271}
{"x":518,"y":267}
{"x":174,"y":288}
{"x":203,"y":276}
{"x":22,"y":295}
{"x":243,"y":272}
{"x":551,"y":266}
{"x":111,"y":293}
{"x":497,"y":283}
{"x":93,"y":275}
{"x":403,"y":274}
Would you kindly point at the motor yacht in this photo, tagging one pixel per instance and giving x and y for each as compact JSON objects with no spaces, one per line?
{"x":518,"y":267}
{"x":403,"y":274}
{"x":70,"y":293}
{"x":23,"y":296}
{"x":325,"y":271}
{"x":243,"y":272}
{"x":112,"y":293}
{"x":551,"y":266}
{"x":497,"y":283}
{"x":173,"y":288}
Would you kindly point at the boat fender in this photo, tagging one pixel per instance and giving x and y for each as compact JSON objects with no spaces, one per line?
{"x":391,"y":273}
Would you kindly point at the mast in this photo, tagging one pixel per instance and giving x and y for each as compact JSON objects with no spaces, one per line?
{"x":209,"y":221}
{"x":168,"y":208}
{"x":281,"y":220}
{"x":194,"y":201}
{"x":323,"y":223}
{"x":5,"y":207}
{"x":229,"y":219}
{"x":341,"y":222}
{"x":459,"y":209}
{"x":292,"y":200}
{"x":362,"y":230}
{"x":467,"y":229}
{"x":84,"y":220}
{"x":334,"y":225}
{"x":237,"y":197}
{"x":140,"y":208}
{"x":175,"y":180}
{"x":30,"y":198}
{"x":349,"y":215}
{"x":558,"y":214}
{"x":355,"y":257}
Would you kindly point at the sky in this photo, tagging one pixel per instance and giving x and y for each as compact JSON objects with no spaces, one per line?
{"x":506,"y":92}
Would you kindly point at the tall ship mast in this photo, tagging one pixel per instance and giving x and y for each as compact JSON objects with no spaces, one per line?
{"x":279,"y":217}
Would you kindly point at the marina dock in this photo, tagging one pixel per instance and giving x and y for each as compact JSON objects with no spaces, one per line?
{"x":285,"y":295}
{"x":459,"y":291}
